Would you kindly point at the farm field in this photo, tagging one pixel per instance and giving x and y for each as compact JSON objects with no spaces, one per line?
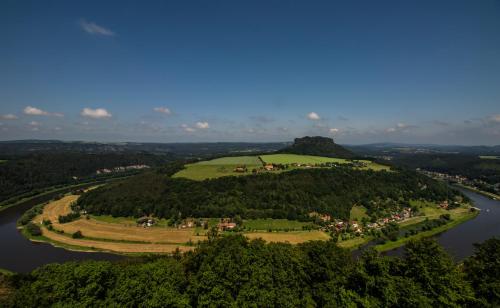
{"x":122,"y":235}
{"x":295,"y":237}
{"x":225,"y":166}
{"x":218,"y":167}
{"x":300,"y":159}
{"x":233,"y":160}
{"x":274,"y":224}
{"x":489,"y":157}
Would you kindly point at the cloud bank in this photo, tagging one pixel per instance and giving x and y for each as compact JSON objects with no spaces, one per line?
{"x":99,"y":113}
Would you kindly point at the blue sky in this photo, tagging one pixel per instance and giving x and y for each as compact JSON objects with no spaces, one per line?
{"x":187,"y":71}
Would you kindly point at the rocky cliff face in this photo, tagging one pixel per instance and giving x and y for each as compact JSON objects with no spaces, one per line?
{"x":319,"y":146}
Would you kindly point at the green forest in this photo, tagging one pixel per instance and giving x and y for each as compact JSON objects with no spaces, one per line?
{"x":232,"y":271}
{"x":29,"y":173}
{"x":292,"y":195}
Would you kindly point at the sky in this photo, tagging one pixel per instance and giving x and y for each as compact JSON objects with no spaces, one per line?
{"x":252,"y":71}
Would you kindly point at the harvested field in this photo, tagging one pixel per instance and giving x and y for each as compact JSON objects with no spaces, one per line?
{"x":290,"y":237}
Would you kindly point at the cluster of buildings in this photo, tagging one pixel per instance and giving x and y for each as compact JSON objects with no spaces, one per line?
{"x":354,"y":226}
{"x":121,"y":169}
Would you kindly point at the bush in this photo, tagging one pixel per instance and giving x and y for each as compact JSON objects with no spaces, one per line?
{"x":77,"y":234}
{"x":68,"y":218}
{"x":33,"y":229}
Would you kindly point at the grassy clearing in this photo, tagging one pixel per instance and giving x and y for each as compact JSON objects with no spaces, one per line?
{"x":358,"y":213}
{"x":489,"y":157}
{"x":233,"y":160}
{"x":225,"y":166}
{"x":300,"y":159}
{"x":1,"y":162}
{"x":199,"y":172}
{"x":274,"y":224}
{"x":354,"y":243}
{"x":295,"y":237}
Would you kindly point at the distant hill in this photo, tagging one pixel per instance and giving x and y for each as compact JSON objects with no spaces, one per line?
{"x":318,"y":146}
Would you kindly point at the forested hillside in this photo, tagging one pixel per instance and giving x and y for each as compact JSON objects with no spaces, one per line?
{"x":291,"y":195}
{"x":470,"y":166}
{"x":21,"y":174}
{"x":235,"y":272}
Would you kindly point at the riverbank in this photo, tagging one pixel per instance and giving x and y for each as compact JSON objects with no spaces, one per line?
{"x":484,"y":193}
{"x":53,"y":190}
{"x":390,"y":245}
{"x":458,"y":216}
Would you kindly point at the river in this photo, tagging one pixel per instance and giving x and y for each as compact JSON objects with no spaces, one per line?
{"x":459,"y":241}
{"x":21,"y":255}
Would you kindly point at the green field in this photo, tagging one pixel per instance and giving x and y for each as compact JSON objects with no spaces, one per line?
{"x":225,"y":166}
{"x":233,"y":160}
{"x":358,"y":213}
{"x":274,"y":224}
{"x":219,"y":167}
{"x":489,"y":157}
{"x":300,"y":159}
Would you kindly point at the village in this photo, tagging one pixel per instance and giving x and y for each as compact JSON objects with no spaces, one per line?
{"x":278,"y":167}
{"x":460,"y":179}
{"x":121,"y":169}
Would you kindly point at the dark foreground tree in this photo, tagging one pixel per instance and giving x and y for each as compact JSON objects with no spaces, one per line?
{"x":232,"y":271}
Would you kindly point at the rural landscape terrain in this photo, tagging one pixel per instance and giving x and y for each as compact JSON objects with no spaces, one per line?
{"x":250,"y":154}
{"x":174,"y":208}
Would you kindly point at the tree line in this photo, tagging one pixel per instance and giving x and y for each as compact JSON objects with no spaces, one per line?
{"x":291,"y":195}
{"x":30,"y":173}
{"x":233,"y":271}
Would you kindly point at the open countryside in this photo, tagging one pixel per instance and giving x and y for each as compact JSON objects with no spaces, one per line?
{"x":246,"y":165}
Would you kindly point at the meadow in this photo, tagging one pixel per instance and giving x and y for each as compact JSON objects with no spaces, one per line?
{"x":300,"y":159}
{"x":274,"y":224}
{"x":225,"y":166}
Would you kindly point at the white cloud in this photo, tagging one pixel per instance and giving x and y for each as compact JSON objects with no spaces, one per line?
{"x":30,"y":110}
{"x":34,"y":111}
{"x":189,"y":129}
{"x":202,"y":125}
{"x":334,"y":130}
{"x":313,"y":116}
{"x":401,"y":125}
{"x":390,"y":130}
{"x":163,"y":110}
{"x":95,"y":29}
{"x":9,"y":116}
{"x":98,"y":113}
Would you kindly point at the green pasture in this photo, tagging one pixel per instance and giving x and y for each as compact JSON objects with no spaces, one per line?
{"x":489,"y":157}
{"x":225,"y":166}
{"x":358,"y":213}
{"x":300,"y":159}
{"x":274,"y":224}
{"x":232,"y":160}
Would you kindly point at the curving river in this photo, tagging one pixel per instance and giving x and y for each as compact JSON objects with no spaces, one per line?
{"x":21,"y":255}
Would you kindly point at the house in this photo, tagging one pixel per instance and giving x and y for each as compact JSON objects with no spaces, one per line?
{"x":224,"y":226}
{"x":444,"y":204}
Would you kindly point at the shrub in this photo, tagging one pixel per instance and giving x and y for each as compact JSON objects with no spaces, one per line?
{"x":77,"y":234}
{"x":33,"y":229}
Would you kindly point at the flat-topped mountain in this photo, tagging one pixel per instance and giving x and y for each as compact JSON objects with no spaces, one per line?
{"x":318,"y":146}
